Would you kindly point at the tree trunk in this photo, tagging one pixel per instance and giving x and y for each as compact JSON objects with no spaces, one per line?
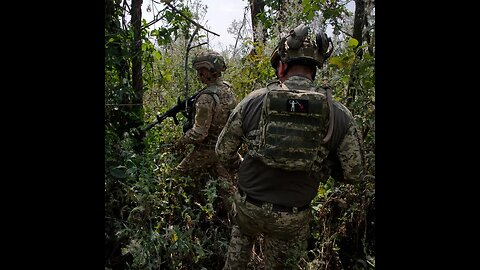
{"x":368,"y":38}
{"x":137,"y":79}
{"x":358,"y":24}
{"x":257,"y":7}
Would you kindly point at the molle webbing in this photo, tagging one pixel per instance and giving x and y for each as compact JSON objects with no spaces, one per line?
{"x":291,"y":129}
{"x":291,"y":154}
{"x":284,"y":137}
{"x":304,"y":119}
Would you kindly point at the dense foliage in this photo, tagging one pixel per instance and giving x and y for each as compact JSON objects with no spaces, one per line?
{"x":155,"y":219}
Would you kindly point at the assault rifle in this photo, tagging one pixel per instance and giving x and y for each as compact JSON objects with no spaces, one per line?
{"x":184,"y":107}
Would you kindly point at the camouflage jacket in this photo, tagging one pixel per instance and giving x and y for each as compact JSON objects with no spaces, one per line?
{"x":210,"y":114}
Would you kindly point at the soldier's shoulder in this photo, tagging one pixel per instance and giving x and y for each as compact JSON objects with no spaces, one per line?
{"x":251,"y":97}
{"x":270,"y":85}
{"x":226,"y":87}
{"x":209,"y":89}
{"x":273,"y":85}
{"x":206,"y":96}
{"x":342,"y":111}
{"x":256,"y":93}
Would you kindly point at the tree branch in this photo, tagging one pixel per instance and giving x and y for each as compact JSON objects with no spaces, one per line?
{"x":154,"y":20}
{"x":186,"y":60}
{"x":188,"y":19}
{"x":239,"y":32}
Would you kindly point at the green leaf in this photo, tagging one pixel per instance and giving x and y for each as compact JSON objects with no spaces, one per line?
{"x":118,"y":172}
{"x":352,"y":43}
{"x":157,"y":55}
{"x":337,"y":61}
{"x":310,"y":14}
{"x":321,"y":191}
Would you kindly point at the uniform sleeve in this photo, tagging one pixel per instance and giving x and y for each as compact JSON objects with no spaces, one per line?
{"x":230,"y":140}
{"x":350,"y":154}
{"x":203,"y":119}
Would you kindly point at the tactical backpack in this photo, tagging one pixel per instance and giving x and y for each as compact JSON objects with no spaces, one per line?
{"x":292,"y":129}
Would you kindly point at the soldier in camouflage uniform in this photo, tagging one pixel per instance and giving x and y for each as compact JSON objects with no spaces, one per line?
{"x":211,"y":109}
{"x":275,"y":190}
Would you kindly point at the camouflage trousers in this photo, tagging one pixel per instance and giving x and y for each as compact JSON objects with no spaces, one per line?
{"x":285,"y":235}
{"x":202,"y":159}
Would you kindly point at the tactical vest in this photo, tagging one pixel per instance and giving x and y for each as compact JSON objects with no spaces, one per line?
{"x":224,"y":106}
{"x":190,"y":113}
{"x":212,"y":92}
{"x":222,"y":110}
{"x":291,"y":128}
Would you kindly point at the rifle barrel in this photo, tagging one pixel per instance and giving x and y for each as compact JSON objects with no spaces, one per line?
{"x":181,"y":106}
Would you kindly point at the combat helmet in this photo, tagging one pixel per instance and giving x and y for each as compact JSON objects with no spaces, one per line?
{"x":300,"y":46}
{"x":211,"y":60}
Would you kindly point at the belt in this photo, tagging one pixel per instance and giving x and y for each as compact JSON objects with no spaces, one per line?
{"x":275,"y":207}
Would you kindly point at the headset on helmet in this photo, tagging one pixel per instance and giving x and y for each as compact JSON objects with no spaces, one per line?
{"x":211,"y":60}
{"x":299,"y":46}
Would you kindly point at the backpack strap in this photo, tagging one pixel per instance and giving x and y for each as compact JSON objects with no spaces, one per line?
{"x":331,"y":116}
{"x":211,"y":92}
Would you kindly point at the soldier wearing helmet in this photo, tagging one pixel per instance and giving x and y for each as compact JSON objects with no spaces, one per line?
{"x":297,"y":137}
{"x":211,"y":109}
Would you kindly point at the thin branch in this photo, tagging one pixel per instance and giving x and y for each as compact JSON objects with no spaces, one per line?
{"x":348,"y":34}
{"x":186,"y":60}
{"x":188,"y":19}
{"x":154,"y":20}
{"x":198,"y":45}
{"x":126,"y":9}
{"x":239,"y":30}
{"x":335,"y":23}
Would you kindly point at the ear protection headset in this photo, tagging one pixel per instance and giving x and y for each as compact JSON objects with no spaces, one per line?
{"x":297,"y":45}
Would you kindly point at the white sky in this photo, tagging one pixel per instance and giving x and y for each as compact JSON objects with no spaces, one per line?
{"x":220,"y":15}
